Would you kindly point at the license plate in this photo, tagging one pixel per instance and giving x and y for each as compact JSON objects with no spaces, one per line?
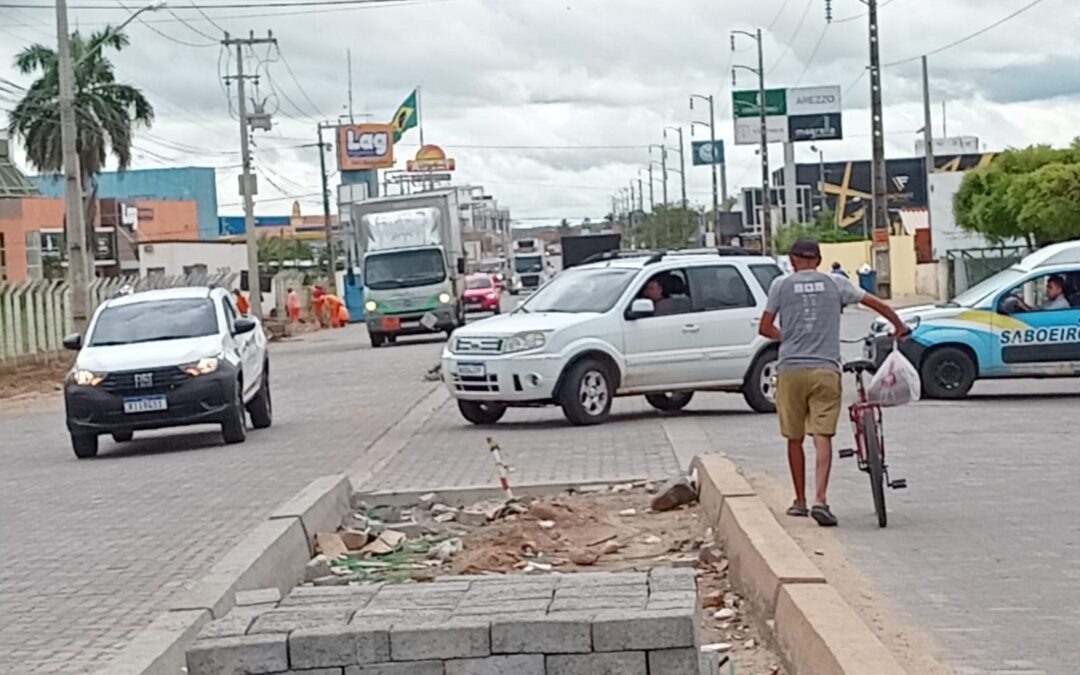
{"x":391,"y":323}
{"x":471,"y":369}
{"x":429,"y":321}
{"x":143,"y":404}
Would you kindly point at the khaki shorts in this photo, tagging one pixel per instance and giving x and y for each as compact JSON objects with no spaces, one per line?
{"x":808,"y":402}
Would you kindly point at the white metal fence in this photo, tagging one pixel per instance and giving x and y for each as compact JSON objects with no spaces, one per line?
{"x":36,"y":315}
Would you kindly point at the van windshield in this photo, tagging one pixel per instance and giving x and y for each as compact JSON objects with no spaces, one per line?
{"x":979,"y":292}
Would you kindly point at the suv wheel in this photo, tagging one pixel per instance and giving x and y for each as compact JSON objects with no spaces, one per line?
{"x":233,"y":429}
{"x":85,"y":446}
{"x":586,"y":392}
{"x":261,"y":407}
{"x":947,"y":373}
{"x":670,"y":401}
{"x":759,"y":390}
{"x":479,"y":412}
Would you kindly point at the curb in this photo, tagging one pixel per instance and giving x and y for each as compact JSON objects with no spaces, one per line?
{"x":814,"y":630}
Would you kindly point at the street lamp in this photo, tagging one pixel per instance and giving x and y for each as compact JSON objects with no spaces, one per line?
{"x":682,"y":160}
{"x":113,"y":30}
{"x":711,"y":125}
{"x":766,"y":196}
{"x":663,"y":168}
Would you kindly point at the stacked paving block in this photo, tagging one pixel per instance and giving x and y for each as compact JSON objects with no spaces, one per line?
{"x":620,"y":623}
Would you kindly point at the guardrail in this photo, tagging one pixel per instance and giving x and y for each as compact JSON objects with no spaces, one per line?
{"x":36,"y":315}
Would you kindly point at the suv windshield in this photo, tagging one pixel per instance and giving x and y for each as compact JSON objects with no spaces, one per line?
{"x":154,"y":321}
{"x":478,"y":282}
{"x":404,"y":269}
{"x":581,"y":290}
{"x":981,"y":290}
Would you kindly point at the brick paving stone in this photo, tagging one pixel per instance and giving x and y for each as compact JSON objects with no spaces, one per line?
{"x":457,"y":638}
{"x":552,"y":634}
{"x":518,"y":664}
{"x":653,"y":629}
{"x":236,"y":622}
{"x":403,"y":668}
{"x":240,"y":655}
{"x":674,"y":661}
{"x":612,"y":663}
{"x":288,"y":620}
{"x":355,"y":644}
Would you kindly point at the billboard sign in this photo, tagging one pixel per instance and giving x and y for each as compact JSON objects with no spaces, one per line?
{"x":707,"y":152}
{"x":821,"y":127}
{"x":793,"y":115}
{"x":429,"y":159}
{"x":363,"y":147}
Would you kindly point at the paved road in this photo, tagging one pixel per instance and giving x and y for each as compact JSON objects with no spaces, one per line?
{"x":91,"y":550}
{"x":981,"y":550}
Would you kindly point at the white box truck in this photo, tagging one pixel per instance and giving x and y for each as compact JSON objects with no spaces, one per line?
{"x":412,"y":263}
{"x":530,"y":271}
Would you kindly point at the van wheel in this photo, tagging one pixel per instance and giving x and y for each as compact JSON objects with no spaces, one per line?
{"x":759,"y":390}
{"x":671,"y":401}
{"x":482,"y":413}
{"x":586,"y":392}
{"x":947,"y":373}
{"x":261,"y":407}
{"x":85,"y":446}
{"x":233,"y":429}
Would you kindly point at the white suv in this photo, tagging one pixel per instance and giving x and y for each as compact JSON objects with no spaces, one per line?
{"x":591,"y":334}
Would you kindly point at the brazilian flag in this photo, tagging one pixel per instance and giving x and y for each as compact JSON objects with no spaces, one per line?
{"x":405,"y":118}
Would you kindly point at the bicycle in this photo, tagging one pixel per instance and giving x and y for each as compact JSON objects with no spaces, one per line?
{"x":869,"y":448}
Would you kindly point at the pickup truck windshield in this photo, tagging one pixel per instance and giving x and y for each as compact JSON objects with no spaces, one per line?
{"x":577,"y":290}
{"x":404,"y":269}
{"x":154,"y":321}
{"x":527,"y":264}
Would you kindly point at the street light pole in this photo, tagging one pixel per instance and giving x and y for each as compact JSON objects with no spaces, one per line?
{"x":820,"y":176}
{"x":663,"y":170}
{"x":882,"y":260}
{"x":682,"y":161}
{"x":712,"y":139}
{"x":766,"y":195}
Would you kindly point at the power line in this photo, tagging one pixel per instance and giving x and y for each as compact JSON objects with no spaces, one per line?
{"x":813,"y":54}
{"x":776,"y":18}
{"x":206,"y":16}
{"x":791,"y":40}
{"x":216,"y":6}
{"x":193,"y":28}
{"x":296,"y":81}
{"x":966,"y":38}
{"x":164,"y":34}
{"x":856,"y":17}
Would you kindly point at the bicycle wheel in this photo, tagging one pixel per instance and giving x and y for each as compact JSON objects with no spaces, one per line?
{"x":876,"y":465}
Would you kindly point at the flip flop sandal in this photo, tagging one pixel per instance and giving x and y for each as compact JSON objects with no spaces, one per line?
{"x":798,"y":511}
{"x":823,"y":516}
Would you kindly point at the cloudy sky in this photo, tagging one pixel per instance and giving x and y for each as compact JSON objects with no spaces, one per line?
{"x":552,"y":104}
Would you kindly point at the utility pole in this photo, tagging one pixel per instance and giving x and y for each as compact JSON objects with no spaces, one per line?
{"x":328,"y":230}
{"x":712,"y":139}
{"x":248,"y":187}
{"x":766,"y":193}
{"x":652,"y":200}
{"x":682,"y":160}
{"x":663,"y":171}
{"x":882,"y":262}
{"x":928,"y":134}
{"x":80,"y":260}
{"x":641,"y":194}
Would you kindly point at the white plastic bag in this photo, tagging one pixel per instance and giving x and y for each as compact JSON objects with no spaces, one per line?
{"x":896,"y":382}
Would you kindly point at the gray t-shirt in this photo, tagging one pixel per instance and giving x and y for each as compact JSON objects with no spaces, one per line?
{"x":807,"y":305}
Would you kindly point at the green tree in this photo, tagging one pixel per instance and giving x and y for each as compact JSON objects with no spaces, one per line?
{"x":823,"y":231}
{"x":1031,"y":194}
{"x":281,"y":250}
{"x":106,"y":111}
{"x":667,"y":227}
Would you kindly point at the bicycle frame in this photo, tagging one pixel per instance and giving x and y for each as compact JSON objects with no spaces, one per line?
{"x":856,"y":412}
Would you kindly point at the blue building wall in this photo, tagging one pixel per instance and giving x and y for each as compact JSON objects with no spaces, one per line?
{"x":196,"y":184}
{"x":235,"y":225}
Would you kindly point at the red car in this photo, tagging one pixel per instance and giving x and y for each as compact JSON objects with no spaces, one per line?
{"x":482,"y":293}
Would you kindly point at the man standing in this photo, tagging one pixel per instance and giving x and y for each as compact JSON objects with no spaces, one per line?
{"x":292,"y":305}
{"x":808,"y":391}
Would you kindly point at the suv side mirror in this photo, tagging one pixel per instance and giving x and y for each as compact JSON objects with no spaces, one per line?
{"x":241,"y":326}
{"x":641,"y":308}
{"x":73,"y":342}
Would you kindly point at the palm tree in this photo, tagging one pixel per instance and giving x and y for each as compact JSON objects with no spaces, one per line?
{"x":106,"y":111}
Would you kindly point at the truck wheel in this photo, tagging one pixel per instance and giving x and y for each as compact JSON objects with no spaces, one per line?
{"x":85,"y":446}
{"x":759,"y":390}
{"x":586,"y":393}
{"x":376,"y":340}
{"x":671,"y":401}
{"x":233,"y":429}
{"x":261,"y":407}
{"x":947,"y":373}
{"x":481,"y":413}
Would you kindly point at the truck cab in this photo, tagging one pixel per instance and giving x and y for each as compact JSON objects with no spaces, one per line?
{"x":529,"y":269}
{"x":412,"y":265}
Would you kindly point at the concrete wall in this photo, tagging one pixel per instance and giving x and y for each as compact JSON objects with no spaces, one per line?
{"x":170,"y":258}
{"x":853,"y":255}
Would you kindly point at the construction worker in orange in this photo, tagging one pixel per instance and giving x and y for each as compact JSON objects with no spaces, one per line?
{"x":292,"y":304}
{"x":335,"y":310}
{"x":242,"y":304}
{"x":318,"y":305}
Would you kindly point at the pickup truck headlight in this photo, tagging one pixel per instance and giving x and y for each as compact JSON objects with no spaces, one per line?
{"x":86,"y":378}
{"x":202,"y":367}
{"x":524,"y":342}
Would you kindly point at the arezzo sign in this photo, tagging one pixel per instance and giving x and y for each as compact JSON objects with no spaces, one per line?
{"x":801,"y":114}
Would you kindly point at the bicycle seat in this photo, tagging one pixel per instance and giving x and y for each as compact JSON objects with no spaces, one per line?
{"x":859,"y":366}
